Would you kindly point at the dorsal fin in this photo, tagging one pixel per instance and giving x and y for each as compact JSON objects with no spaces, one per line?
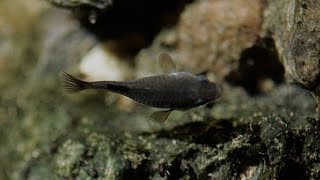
{"x":166,"y":64}
{"x":160,"y":116}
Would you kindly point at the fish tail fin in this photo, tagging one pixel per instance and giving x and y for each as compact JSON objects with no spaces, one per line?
{"x":72,"y":84}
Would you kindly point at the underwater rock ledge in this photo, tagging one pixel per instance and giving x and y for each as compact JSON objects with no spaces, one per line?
{"x":271,"y":143}
{"x":243,"y":151}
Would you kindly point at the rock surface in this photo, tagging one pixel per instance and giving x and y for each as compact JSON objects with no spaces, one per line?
{"x":295,"y":27}
{"x":210,"y":36}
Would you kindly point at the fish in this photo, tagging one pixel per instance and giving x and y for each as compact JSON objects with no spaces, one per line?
{"x":171,"y":90}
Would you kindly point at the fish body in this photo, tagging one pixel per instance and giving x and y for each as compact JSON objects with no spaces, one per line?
{"x":172,"y":90}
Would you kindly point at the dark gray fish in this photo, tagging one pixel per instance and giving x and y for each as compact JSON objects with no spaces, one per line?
{"x":172,"y":90}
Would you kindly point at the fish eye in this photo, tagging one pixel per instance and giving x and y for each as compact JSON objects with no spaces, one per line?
{"x":202,"y":78}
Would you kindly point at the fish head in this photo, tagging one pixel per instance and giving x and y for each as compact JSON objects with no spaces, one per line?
{"x":209,"y":91}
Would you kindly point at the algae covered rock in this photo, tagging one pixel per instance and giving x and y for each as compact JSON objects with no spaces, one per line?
{"x":259,"y":143}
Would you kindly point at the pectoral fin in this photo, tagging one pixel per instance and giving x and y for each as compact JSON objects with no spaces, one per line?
{"x":166,"y":64}
{"x":160,"y":116}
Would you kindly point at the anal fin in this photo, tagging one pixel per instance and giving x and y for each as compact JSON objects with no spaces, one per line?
{"x":160,"y":116}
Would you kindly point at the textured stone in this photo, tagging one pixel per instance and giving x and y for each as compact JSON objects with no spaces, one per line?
{"x":295,"y":27}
